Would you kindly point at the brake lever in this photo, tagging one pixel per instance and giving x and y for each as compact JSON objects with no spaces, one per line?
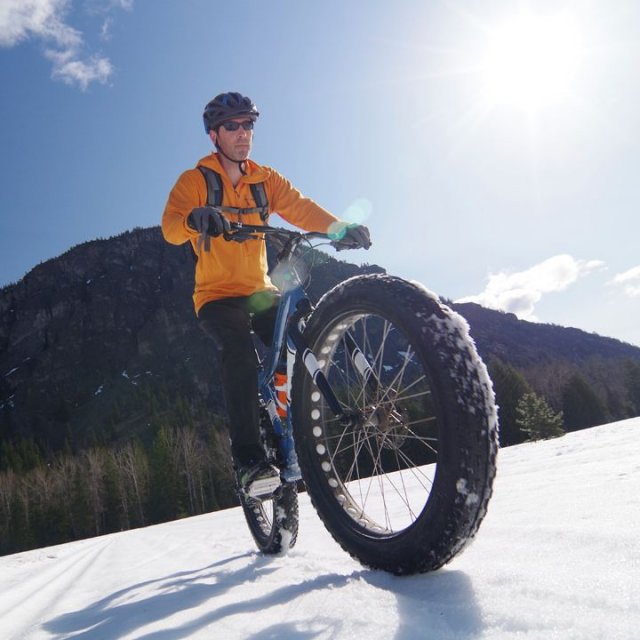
{"x":240,"y":236}
{"x":340,"y":245}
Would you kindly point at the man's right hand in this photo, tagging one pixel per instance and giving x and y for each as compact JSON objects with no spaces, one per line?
{"x":208,"y":220}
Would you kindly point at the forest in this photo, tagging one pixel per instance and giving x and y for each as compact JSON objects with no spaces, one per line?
{"x":47,"y":498}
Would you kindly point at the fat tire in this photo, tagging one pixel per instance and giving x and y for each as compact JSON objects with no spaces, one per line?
{"x":273,"y":522}
{"x":465,"y":435}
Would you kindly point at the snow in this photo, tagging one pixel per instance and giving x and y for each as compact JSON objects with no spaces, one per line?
{"x":558,"y":557}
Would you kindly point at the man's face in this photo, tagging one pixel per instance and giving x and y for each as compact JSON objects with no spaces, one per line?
{"x":236,"y":144}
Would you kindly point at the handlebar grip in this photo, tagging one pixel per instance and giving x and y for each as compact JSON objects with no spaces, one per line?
{"x":345,"y":245}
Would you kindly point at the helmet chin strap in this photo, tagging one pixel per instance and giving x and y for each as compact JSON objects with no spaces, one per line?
{"x":240,"y":163}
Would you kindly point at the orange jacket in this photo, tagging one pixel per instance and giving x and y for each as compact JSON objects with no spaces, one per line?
{"x":232,"y":269}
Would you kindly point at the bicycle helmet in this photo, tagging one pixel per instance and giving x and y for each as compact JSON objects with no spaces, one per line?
{"x":227,"y":106}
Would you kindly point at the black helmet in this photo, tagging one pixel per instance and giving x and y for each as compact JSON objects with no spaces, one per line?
{"x":227,"y":106}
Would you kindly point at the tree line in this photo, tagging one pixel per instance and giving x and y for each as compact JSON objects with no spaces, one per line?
{"x":107,"y":489}
{"x":543,"y":406}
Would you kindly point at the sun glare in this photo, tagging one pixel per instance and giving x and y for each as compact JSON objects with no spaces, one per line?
{"x":532,"y":60}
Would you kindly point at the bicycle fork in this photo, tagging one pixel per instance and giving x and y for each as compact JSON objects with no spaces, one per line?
{"x":282,"y":424}
{"x":315,"y":371}
{"x":360,"y":363}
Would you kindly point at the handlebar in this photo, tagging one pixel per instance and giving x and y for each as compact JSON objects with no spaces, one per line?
{"x":289,"y":238}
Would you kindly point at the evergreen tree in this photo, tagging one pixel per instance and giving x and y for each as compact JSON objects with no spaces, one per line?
{"x":581,"y":406}
{"x":20,"y":456}
{"x":20,"y":530}
{"x":537,"y":419}
{"x":8,"y":482}
{"x":632,"y":377}
{"x":509,"y":386}
{"x":165,"y":492}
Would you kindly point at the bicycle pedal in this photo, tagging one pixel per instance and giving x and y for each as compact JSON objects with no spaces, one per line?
{"x":262,"y":488}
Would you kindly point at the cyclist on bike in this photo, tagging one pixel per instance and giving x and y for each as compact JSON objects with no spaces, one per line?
{"x":233,"y":293}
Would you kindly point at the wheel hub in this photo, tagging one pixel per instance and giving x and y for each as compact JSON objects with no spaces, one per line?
{"x":388,"y":427}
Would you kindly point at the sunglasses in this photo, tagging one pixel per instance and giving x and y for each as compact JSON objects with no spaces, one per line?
{"x":230,"y":125}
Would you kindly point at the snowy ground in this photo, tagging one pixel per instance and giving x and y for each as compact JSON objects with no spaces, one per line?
{"x":558,"y":556}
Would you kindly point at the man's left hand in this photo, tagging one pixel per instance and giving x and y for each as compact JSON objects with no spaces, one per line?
{"x":357,"y":236}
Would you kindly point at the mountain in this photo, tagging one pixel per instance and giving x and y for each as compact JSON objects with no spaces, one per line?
{"x":101,"y":343}
{"x":556,"y":557}
{"x":525,"y":344}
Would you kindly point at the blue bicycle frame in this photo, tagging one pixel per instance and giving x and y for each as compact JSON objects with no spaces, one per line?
{"x":283,"y":427}
{"x":293,"y":308}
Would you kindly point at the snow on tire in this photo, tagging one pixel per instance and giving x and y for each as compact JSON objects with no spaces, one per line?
{"x":403,"y":485}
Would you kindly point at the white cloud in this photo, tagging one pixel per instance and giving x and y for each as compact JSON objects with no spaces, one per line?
{"x":630,"y":281}
{"x":45,"y":20}
{"x":105,"y":30}
{"x":72,"y":70}
{"x":21,"y":19}
{"x":519,"y":292}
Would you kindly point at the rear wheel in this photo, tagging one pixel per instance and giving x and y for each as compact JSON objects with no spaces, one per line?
{"x":273,"y":522}
{"x":403,"y":482}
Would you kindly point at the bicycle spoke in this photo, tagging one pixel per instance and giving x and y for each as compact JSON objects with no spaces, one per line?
{"x":376,"y":459}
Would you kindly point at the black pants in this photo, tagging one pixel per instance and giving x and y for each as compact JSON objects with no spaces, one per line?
{"x":229,"y":322}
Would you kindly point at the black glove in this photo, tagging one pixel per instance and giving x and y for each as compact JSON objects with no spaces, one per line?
{"x":356,"y":236}
{"x":207,"y":221}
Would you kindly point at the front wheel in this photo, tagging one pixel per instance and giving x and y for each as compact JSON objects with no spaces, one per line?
{"x":403,"y":480}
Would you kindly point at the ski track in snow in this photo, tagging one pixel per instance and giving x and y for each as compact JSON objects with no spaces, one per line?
{"x":558,"y":556}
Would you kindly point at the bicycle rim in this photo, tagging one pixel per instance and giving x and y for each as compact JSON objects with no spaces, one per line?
{"x":380,"y":465}
{"x":273,"y":522}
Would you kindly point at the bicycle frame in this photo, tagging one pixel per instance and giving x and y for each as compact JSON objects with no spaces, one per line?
{"x":282,"y":427}
{"x":293,"y":308}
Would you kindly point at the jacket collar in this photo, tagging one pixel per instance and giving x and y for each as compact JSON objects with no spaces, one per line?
{"x":255,"y":172}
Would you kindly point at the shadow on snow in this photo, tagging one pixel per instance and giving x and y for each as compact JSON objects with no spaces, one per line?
{"x":441,"y":604}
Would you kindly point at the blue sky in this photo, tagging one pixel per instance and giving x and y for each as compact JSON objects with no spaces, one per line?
{"x":492,"y":145}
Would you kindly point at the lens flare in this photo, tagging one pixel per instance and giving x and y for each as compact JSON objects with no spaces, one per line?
{"x":358,"y":211}
{"x":261,"y":301}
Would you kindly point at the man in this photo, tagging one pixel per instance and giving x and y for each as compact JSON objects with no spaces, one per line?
{"x":233,"y":293}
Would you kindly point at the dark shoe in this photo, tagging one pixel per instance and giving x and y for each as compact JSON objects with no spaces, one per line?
{"x":258,"y":480}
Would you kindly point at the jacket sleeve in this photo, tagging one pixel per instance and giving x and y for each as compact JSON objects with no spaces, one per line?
{"x":188,"y":192}
{"x":290,"y":204}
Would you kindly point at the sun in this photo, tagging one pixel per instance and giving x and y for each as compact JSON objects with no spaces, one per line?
{"x":531,"y":61}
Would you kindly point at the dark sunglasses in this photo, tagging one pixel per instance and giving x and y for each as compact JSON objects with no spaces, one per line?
{"x":230,"y":125}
